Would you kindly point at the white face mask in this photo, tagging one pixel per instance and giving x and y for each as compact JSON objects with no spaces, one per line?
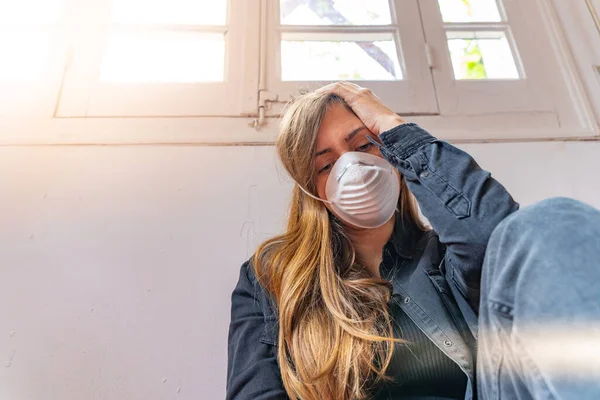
{"x":362,"y":189}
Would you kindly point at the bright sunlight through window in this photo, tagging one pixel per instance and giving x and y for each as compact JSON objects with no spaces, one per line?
{"x":165,"y":41}
{"x":306,"y":60}
{"x":163,"y":57}
{"x":484,"y":53}
{"x":481,"y":55}
{"x":470,"y":11}
{"x":324,"y":55}
{"x":176,"y":12}
{"x":29,"y":36}
{"x":336,"y":12}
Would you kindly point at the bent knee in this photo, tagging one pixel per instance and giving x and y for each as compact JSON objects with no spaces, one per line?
{"x":554,"y":217}
{"x":561,"y":205}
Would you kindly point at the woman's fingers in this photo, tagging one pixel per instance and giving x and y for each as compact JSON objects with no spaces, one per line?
{"x":336,"y":88}
{"x":368,"y":107}
{"x":346,"y":90}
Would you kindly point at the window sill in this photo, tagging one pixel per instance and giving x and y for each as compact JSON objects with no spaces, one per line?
{"x":238,"y":131}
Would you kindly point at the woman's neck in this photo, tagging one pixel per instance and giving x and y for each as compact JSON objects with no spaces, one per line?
{"x":369,"y":244}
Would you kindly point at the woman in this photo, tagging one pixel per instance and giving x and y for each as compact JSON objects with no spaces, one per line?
{"x":358,"y":299}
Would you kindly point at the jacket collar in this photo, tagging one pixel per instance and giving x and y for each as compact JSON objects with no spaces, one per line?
{"x":404,"y":237}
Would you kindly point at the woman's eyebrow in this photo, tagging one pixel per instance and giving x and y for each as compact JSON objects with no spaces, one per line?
{"x":324,"y":151}
{"x":354,"y":133}
{"x":347,"y":139}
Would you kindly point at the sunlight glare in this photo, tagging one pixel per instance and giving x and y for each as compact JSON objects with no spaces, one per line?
{"x":177,"y":12}
{"x":27,"y":29}
{"x":162,"y":57}
{"x":25,"y":55}
{"x":31,"y":12}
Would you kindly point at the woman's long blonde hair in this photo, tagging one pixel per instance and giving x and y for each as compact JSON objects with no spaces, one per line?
{"x":335,"y":335}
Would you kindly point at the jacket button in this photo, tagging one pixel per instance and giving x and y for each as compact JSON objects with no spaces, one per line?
{"x":447,"y":343}
{"x":424,"y":174}
{"x":407,"y":300}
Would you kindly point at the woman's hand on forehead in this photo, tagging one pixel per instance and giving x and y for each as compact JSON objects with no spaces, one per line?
{"x":376,"y":116}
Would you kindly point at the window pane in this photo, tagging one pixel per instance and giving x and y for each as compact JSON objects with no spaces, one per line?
{"x":18,"y":12}
{"x":184,"y":12}
{"x":470,"y":10}
{"x":308,"y":60}
{"x":24,"y":56}
{"x":481,"y":55}
{"x":163,"y":57}
{"x":335,"y":12}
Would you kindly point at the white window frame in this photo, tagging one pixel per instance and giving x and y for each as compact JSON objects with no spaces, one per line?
{"x":541,"y":101}
{"x":571,"y":32}
{"x":84,"y":95}
{"x":416,"y":87}
{"x":583,"y":36}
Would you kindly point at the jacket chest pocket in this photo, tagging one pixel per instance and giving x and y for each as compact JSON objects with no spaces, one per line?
{"x":439,"y":281}
{"x":443,"y":288}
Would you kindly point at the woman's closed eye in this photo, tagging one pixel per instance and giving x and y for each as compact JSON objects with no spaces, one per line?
{"x":325,"y":168}
{"x":365,"y":147}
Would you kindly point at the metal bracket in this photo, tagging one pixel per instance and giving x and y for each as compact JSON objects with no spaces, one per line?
{"x":265,"y":99}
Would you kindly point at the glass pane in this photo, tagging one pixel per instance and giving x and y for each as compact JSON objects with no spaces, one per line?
{"x":24,"y":56}
{"x":481,"y":55}
{"x":183,"y":12}
{"x":470,"y":10}
{"x":163,"y":57}
{"x":19,"y":12}
{"x":335,"y":12}
{"x":308,"y":60}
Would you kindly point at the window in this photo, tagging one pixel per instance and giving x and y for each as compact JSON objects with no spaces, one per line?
{"x":495,"y":57}
{"x":378,"y":42}
{"x":480,"y":51}
{"x":165,"y":58}
{"x":200,"y":70}
{"x":453,"y":58}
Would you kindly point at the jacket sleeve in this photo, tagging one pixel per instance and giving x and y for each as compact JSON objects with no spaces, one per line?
{"x":462,"y":202}
{"x":252,"y":368}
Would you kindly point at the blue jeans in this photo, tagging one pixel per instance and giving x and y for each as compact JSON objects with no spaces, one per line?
{"x":540,"y":306}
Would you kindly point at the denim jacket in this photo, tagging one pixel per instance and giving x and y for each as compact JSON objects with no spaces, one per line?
{"x":438,"y":285}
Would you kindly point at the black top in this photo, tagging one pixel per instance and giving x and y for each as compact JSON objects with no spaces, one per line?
{"x":419,"y":368}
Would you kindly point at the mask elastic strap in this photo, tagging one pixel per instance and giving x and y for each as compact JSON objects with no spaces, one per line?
{"x":310,"y":195}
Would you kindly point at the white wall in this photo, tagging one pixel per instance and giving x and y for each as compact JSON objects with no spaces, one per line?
{"x":117,"y":263}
